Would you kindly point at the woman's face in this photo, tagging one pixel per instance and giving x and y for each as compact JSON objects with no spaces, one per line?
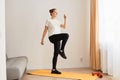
{"x":54,"y":14}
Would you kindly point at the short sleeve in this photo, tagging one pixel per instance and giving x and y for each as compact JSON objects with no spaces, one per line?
{"x":46,"y":23}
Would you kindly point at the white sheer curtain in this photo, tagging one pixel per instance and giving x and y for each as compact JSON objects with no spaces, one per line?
{"x":109,"y":24}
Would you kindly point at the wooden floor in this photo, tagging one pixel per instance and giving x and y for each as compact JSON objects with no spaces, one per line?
{"x":78,"y":70}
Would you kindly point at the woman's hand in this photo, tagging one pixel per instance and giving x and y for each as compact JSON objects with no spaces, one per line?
{"x":65,"y":16}
{"x":44,"y":33}
{"x":64,"y":24}
{"x":42,"y":42}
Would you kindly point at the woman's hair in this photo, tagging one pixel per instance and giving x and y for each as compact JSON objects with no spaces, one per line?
{"x":52,"y":10}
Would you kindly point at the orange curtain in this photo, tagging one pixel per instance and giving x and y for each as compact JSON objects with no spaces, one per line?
{"x":94,"y":45}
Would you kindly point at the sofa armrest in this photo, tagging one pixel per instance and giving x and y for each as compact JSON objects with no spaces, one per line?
{"x":16,"y":67}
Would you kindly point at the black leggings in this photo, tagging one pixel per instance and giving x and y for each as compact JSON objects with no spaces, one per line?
{"x":59,"y":41}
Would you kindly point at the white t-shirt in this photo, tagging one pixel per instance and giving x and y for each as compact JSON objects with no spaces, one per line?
{"x":53,"y":26}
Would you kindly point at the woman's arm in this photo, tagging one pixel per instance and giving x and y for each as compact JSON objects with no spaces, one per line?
{"x":44,"y":34}
{"x":64,"y":24}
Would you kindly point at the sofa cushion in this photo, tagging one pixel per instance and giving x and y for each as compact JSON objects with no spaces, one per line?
{"x":16,"y":67}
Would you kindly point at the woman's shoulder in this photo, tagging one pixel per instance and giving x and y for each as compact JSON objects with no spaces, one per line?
{"x":48,"y":19}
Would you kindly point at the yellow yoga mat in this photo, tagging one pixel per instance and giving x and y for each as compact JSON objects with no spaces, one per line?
{"x":70,"y":75}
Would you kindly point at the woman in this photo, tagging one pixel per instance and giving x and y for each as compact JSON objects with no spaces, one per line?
{"x":59,"y":39}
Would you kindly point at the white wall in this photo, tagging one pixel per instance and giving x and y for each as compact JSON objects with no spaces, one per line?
{"x":2,"y":41}
{"x":25,"y":21}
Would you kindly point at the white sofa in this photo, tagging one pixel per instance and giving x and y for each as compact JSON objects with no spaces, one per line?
{"x":16,"y":67}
